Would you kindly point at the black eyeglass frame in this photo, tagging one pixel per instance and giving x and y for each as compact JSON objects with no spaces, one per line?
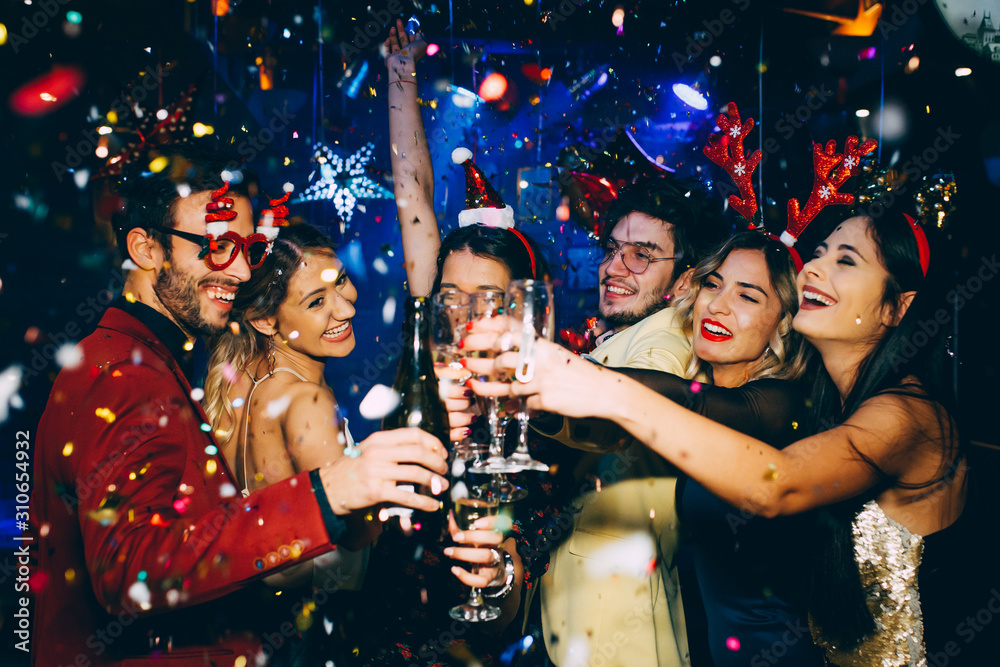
{"x":618,"y":246}
{"x":240,"y":244}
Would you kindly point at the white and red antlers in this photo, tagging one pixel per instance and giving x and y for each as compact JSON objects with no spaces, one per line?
{"x":726,"y":150}
{"x":830,"y":171}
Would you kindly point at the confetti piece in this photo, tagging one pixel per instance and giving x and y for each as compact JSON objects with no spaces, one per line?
{"x":105,"y":414}
{"x":69,"y":355}
{"x":139,"y":593}
{"x":733,"y":644}
{"x":277,"y":407}
{"x":197,"y":393}
{"x":227,"y":490}
{"x":459,"y":491}
{"x":68,"y":449}
{"x":380,"y":401}
{"x":211,"y":467}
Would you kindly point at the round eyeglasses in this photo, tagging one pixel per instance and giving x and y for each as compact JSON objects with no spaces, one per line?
{"x":635,"y":257}
{"x":255,"y":247}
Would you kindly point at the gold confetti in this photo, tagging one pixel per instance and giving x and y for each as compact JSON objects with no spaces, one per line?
{"x":105,"y":414}
{"x":211,"y":466}
{"x":158,"y":164}
{"x":67,"y":449}
{"x":70,"y":575}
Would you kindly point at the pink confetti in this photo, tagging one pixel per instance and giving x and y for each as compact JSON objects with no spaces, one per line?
{"x":733,"y":644}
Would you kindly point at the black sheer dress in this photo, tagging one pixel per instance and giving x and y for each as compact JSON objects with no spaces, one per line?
{"x":747,"y":567}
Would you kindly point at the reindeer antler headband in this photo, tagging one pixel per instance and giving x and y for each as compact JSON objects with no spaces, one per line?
{"x":831,"y":171}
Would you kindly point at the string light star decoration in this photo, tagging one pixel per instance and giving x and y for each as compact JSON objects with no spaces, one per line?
{"x":342,"y":180}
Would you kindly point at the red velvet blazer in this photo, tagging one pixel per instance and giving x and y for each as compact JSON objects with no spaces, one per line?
{"x":145,"y":548}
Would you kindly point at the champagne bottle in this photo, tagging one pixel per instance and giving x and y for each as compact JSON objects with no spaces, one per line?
{"x":420,"y":401}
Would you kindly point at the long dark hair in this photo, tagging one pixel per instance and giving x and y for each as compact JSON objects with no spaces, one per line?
{"x":495,"y":243}
{"x":910,"y":359}
{"x":238,"y":348}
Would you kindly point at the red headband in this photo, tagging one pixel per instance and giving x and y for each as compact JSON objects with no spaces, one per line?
{"x":922,"y":247}
{"x":791,"y":250}
{"x":527,"y":246}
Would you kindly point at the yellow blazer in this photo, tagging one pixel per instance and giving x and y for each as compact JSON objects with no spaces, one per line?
{"x":611,"y":595}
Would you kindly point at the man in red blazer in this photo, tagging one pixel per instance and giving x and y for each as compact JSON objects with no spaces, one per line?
{"x":145,"y":550}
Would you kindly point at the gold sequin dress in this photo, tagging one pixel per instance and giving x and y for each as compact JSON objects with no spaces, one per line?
{"x":888,"y":557}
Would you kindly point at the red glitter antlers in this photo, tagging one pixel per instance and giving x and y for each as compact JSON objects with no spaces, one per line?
{"x":726,"y":150}
{"x":273,"y":217}
{"x":830,"y":171}
{"x":218,"y":213}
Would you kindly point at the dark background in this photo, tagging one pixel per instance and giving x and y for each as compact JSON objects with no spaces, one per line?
{"x":57,"y":260}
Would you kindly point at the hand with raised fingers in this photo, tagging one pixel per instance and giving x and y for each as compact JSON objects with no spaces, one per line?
{"x":402,"y":48}
{"x":386,"y":459}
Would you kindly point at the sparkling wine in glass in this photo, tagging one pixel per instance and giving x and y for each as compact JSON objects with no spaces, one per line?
{"x":530,"y":315}
{"x":486,"y":304}
{"x":482,"y":501}
{"x":451,"y":313}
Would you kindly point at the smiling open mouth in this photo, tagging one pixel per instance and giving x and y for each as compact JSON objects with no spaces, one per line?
{"x":220,"y":296}
{"x":715,"y":332}
{"x":813,"y":298}
{"x":614,"y":289}
{"x":338,"y":332}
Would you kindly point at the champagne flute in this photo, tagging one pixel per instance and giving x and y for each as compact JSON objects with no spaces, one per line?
{"x":486,"y":304}
{"x":530,"y":315}
{"x":451,"y":314}
{"x":482,"y":500}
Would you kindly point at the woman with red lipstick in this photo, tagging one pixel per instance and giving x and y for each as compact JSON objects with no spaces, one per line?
{"x":893,"y":572}
{"x":738,"y":316}
{"x":272,"y":410}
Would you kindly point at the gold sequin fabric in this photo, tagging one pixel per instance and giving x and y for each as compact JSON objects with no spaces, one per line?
{"x":888,"y":557}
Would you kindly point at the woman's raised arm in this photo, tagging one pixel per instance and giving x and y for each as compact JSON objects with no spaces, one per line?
{"x":412,"y":171}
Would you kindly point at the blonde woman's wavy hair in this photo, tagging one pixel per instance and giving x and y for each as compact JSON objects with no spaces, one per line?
{"x":241,"y":347}
{"x":788,"y":354}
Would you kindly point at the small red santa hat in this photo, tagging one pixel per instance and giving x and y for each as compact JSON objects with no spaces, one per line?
{"x":218,"y":212}
{"x":483,"y":204}
{"x":275,"y":216}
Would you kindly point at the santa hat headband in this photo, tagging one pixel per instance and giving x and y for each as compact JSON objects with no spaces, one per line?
{"x":484,"y":206}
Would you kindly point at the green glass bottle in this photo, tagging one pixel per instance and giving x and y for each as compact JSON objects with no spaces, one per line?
{"x":420,"y":403}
